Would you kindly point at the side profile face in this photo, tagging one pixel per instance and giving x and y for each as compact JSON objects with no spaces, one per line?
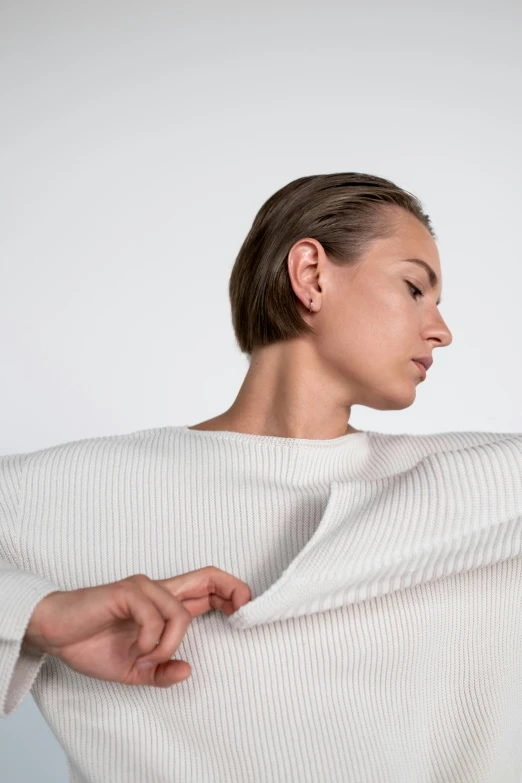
{"x":370,"y":320}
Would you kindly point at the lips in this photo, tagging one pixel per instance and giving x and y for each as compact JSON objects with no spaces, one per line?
{"x":426,"y":361}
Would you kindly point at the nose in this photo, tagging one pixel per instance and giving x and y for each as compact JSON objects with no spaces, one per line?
{"x":448,"y":337}
{"x":440,"y":332}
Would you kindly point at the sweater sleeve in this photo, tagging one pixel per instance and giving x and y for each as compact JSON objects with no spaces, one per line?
{"x":20,"y":592}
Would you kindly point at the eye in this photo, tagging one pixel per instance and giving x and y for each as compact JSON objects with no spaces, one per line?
{"x":417,"y":292}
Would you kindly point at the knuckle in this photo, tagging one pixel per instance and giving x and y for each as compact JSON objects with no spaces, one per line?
{"x":128,"y":586}
{"x":121,"y":586}
{"x":212,"y":574}
{"x":140,"y":578}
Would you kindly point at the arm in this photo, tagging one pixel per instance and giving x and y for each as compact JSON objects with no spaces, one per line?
{"x":20,"y":592}
{"x":82,"y":627}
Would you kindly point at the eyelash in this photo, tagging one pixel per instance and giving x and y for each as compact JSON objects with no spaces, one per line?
{"x":416,"y":289}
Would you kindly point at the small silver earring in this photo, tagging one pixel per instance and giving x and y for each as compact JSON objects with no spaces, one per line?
{"x":310,"y":305}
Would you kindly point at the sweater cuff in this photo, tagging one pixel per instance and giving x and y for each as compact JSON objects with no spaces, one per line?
{"x":19,"y":662}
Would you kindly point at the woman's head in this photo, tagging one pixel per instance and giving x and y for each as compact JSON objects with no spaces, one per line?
{"x":342,"y":240}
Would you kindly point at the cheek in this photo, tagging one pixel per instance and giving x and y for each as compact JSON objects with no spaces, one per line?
{"x":374,"y":345}
{"x":379,"y":322}
{"x":351,"y":338}
{"x":370,"y":327}
{"x":396,"y":318}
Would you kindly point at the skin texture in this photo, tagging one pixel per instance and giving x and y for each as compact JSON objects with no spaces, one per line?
{"x":369,"y":324}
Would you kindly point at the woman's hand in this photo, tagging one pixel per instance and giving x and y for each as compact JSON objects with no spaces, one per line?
{"x":108,"y":630}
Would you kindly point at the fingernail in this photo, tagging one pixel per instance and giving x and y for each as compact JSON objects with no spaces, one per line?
{"x":145,"y":664}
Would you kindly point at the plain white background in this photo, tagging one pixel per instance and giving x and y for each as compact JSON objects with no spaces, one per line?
{"x":138,"y":140}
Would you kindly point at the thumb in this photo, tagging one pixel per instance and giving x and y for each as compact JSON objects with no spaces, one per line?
{"x":163,"y":675}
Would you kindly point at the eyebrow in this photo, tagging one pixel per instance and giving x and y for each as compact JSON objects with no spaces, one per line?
{"x":434,"y":280}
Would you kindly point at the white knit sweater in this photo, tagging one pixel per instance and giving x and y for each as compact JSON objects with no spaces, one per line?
{"x":383,"y":642}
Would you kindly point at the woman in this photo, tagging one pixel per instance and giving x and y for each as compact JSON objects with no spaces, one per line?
{"x":369,"y":585}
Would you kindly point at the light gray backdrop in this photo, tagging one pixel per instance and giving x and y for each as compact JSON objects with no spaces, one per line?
{"x":138,"y":140}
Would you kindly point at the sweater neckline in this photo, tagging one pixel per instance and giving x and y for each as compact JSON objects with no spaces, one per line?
{"x":349,"y":439}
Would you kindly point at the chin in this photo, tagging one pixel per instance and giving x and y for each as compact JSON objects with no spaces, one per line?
{"x":389,"y":400}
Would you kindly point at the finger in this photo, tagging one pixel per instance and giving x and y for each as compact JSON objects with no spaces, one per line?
{"x":203,"y":583}
{"x":144,"y":612}
{"x":163,"y":675}
{"x":171,"y":672}
{"x":177,"y":620}
{"x":222,"y":605}
{"x":197,"y":606}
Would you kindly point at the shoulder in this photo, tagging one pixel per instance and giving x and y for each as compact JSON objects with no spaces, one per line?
{"x":100,"y":444}
{"x":406,"y":450}
{"x":91,"y":452}
{"x":440,"y":441}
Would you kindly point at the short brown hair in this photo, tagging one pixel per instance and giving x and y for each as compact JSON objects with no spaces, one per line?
{"x":344,"y":212}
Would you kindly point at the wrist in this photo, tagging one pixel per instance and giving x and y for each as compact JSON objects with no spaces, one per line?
{"x":34,"y":636}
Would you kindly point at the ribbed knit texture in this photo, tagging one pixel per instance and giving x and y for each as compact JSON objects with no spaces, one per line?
{"x":383,"y":642}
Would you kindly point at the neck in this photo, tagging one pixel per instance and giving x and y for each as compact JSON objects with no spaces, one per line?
{"x":283,"y":394}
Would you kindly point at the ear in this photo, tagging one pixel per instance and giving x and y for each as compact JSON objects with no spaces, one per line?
{"x":305,"y":264}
